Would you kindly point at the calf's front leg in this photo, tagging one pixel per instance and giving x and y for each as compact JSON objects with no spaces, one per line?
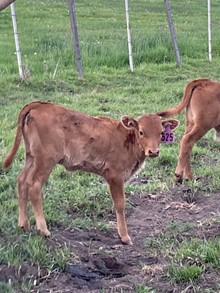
{"x":117,"y":192}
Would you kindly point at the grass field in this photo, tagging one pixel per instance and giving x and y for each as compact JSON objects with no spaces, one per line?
{"x":80,"y":201}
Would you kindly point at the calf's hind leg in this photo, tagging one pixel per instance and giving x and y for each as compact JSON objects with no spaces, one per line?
{"x":36,"y":178}
{"x":23,"y":221}
{"x":117,"y":191}
{"x":184,"y":165}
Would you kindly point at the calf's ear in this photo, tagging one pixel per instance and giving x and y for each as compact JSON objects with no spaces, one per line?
{"x":129,"y":122}
{"x":173,"y":123}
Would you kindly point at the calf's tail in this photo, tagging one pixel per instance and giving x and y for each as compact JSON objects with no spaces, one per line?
{"x":190,"y":87}
{"x":21,"y":117}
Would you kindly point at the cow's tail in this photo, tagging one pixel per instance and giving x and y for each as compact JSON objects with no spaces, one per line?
{"x":21,"y":117}
{"x":191,"y":86}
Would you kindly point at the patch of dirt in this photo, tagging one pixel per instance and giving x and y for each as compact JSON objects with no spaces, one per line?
{"x":99,"y":260}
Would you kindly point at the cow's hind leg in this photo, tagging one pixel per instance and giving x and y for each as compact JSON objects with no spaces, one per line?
{"x":35,"y":180}
{"x":217,"y":134}
{"x":117,"y":191}
{"x":23,"y":221}
{"x":183,"y":168}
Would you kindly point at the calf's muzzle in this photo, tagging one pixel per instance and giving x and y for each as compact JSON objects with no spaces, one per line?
{"x":153,"y":153}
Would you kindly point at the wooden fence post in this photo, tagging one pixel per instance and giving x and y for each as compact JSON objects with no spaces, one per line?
{"x":75,"y":37}
{"x":129,"y":37}
{"x":172,"y":32}
{"x":209,"y":31}
{"x":18,"y":52}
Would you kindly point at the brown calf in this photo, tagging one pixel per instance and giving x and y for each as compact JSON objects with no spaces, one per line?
{"x":112,"y":149}
{"x":202,"y":102}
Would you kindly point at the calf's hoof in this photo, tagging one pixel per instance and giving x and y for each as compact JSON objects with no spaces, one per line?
{"x":178,"y":178}
{"x":188,"y":177}
{"x":44,"y":232}
{"x":126,"y":240}
{"x":25,"y":226}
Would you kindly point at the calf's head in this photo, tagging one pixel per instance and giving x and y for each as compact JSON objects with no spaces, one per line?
{"x":148,"y":130}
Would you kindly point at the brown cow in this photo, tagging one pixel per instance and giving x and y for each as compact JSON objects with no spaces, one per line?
{"x":202,"y":102}
{"x":112,"y":149}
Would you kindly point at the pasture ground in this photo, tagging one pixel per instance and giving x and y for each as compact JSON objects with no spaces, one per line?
{"x":159,"y":223}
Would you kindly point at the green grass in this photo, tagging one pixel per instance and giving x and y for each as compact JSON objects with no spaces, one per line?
{"x":6,"y":288}
{"x":144,"y":289}
{"x":184,"y":274}
{"x":192,"y":258}
{"x":206,"y":251}
{"x":187,"y":257}
{"x":107,"y":89}
{"x":34,"y":249}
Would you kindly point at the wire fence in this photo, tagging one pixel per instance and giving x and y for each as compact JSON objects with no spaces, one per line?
{"x":46,"y":38}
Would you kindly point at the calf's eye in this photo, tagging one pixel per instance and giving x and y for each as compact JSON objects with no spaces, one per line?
{"x":141,"y":133}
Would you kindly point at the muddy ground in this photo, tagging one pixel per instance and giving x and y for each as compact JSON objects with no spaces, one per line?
{"x":100,"y":263}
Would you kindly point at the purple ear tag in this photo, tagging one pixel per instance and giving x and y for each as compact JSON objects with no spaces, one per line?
{"x":167,"y":134}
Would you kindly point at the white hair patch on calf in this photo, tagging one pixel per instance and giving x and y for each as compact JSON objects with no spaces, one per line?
{"x":217,"y":136}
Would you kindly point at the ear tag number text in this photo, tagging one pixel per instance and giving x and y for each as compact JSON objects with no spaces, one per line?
{"x":167,"y":134}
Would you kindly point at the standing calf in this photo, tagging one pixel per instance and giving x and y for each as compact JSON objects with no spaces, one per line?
{"x":202,"y":102}
{"x":110,"y":148}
